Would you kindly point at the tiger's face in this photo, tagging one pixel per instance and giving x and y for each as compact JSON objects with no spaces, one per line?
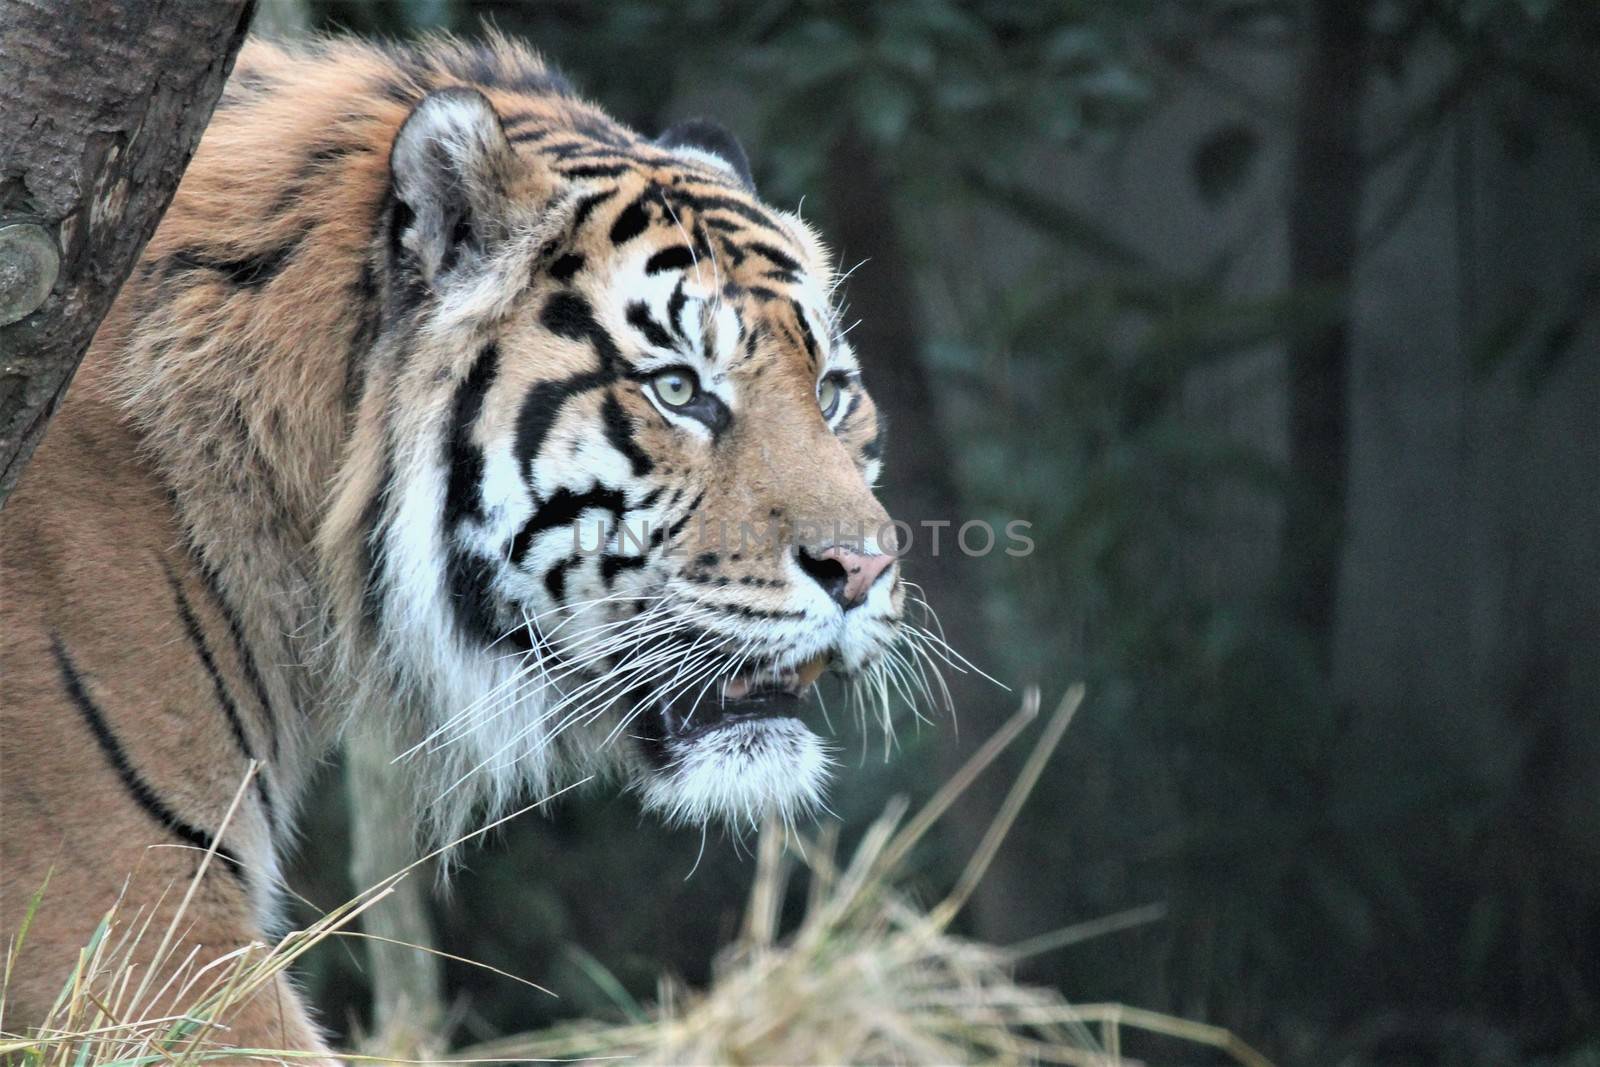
{"x":646,"y":474}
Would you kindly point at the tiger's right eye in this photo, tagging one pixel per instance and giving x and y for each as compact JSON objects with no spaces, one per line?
{"x":828,"y":397}
{"x":675,"y":388}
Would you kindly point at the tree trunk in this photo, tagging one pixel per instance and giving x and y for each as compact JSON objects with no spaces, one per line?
{"x":102,"y":103}
{"x":407,"y":987}
{"x":921,"y":485}
{"x":1324,"y":216}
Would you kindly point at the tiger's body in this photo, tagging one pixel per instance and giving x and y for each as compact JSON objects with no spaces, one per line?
{"x":419,"y":325}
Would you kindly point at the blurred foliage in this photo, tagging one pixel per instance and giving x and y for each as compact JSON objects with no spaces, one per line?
{"x":1320,"y":881}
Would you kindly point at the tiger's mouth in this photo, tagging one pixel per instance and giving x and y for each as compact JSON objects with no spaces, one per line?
{"x":749,"y":696}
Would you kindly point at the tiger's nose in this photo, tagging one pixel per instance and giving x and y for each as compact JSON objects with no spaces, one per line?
{"x":844,"y":575}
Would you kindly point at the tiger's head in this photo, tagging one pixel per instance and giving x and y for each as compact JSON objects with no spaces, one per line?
{"x":611,"y":489}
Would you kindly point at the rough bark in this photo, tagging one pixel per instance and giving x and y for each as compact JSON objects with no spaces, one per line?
{"x":1324,"y":216}
{"x":102,"y":103}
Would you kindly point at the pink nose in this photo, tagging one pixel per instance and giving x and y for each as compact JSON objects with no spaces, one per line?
{"x":844,"y":575}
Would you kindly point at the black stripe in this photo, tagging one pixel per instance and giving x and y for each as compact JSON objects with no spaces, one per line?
{"x":702,"y":242}
{"x":779,"y":259}
{"x":241,"y":647}
{"x":744,"y":612}
{"x":585,"y":206}
{"x":752,"y":343}
{"x":619,"y":431}
{"x":597,"y":170}
{"x":406,"y":288}
{"x":564,"y":150}
{"x":563,"y":509}
{"x":316,"y":164}
{"x":567,"y":315}
{"x":675,"y":305}
{"x":137,"y":787}
{"x":640,"y":319}
{"x":364,"y":294}
{"x":850,"y":408}
{"x":789,"y":336}
{"x":805,"y":331}
{"x":611,"y":566}
{"x":374,"y":559}
{"x":398,"y":91}
{"x":676,"y":257}
{"x":732,"y":250}
{"x":246,"y":272}
{"x":633,"y":219}
{"x":469,"y":579}
{"x":729,"y":204}
{"x":555,"y":579}
{"x":688,"y":513}
{"x":566,"y":266}
{"x":539,"y":412}
{"x":463,"y":498}
{"x":245,"y":83}
{"x":591,"y":151}
{"x":517,"y":119}
{"x":570,"y":315}
{"x":230,"y":710}
{"x":604,"y":130}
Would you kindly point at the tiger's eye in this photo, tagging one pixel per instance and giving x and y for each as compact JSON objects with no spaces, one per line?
{"x":675,"y":388}
{"x":828,"y":396}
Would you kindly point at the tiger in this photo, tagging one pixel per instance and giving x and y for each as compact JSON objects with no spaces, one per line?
{"x":440,"y":403}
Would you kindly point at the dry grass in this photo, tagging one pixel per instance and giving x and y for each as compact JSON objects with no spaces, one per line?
{"x":868,"y":976}
{"x":172,"y":1009}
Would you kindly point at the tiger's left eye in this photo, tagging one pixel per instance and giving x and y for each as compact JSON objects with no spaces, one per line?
{"x":675,"y":388}
{"x":828,"y":393}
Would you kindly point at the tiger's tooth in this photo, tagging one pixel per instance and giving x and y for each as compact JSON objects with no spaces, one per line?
{"x":735,"y":688}
{"x":811,"y":670}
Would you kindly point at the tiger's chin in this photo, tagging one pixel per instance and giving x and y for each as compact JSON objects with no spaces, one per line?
{"x":736,"y":758}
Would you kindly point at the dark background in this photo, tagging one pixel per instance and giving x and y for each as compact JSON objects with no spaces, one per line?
{"x":1278,"y":321}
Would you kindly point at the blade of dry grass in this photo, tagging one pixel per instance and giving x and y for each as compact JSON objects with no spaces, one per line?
{"x":869,"y":977}
{"x":97,"y":1021}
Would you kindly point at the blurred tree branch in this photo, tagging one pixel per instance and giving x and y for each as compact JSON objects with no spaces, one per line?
{"x":407,"y":986}
{"x":924,"y":488}
{"x":101,"y":107}
{"x":1324,"y":216}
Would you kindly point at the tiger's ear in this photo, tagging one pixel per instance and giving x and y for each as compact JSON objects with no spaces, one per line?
{"x":452,"y":168}
{"x":712,"y":143}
